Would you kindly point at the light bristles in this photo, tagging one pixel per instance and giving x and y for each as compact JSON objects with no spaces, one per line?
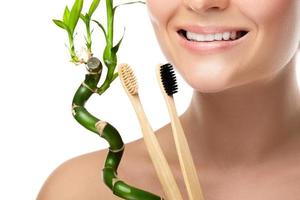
{"x":129,"y":79}
{"x":168,"y":79}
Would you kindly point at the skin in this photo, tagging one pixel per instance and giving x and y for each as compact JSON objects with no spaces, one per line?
{"x":244,"y":107}
{"x":242,"y":124}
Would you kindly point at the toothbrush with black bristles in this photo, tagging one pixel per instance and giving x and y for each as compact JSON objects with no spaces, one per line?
{"x":159,"y":161}
{"x":168,"y":85}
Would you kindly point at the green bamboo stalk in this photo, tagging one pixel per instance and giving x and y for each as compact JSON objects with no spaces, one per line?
{"x":111,"y":135}
{"x":89,"y":87}
{"x":109,"y":57}
{"x":88,"y":38}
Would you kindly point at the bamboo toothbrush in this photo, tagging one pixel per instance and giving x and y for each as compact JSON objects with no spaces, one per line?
{"x":159,"y":161}
{"x":167,"y":82}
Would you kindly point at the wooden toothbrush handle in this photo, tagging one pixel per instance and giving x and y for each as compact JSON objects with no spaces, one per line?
{"x":185,"y":157}
{"x":159,"y":161}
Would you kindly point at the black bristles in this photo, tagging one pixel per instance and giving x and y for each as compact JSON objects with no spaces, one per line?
{"x":168,"y":79}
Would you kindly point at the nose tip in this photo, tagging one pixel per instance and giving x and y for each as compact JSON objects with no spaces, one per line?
{"x":202,"y":6}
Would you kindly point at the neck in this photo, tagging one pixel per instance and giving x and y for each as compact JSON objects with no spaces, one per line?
{"x":245,"y":124}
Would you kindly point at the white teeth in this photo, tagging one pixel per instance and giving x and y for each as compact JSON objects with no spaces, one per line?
{"x":233,"y":35}
{"x":226,"y":36}
{"x":218,"y":36}
{"x":199,"y":37}
{"x":211,"y":37}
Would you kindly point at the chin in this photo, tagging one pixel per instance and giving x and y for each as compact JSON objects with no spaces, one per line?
{"x":206,"y":84}
{"x":207,"y":79}
{"x":220,"y":84}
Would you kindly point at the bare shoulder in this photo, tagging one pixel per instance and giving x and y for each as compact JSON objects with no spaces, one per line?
{"x":80,"y":177}
{"x":77,"y":178}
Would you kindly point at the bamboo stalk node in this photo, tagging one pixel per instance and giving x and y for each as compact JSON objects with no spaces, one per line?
{"x":88,"y":87}
{"x":100,"y":125}
{"x":95,"y":73}
{"x":117,"y":150}
{"x":114,"y":180}
{"x":73,"y":108}
{"x":73,"y":112}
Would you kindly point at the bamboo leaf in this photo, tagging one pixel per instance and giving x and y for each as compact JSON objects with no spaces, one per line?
{"x":93,"y":7}
{"x":82,"y":17}
{"x":101,"y":26}
{"x":75,"y":14}
{"x":127,"y":4}
{"x":61,"y":24}
{"x":116,"y":48}
{"x":114,"y":76}
{"x":66,"y":15}
{"x":86,"y":18}
{"x":87,"y":42}
{"x":85,"y":39}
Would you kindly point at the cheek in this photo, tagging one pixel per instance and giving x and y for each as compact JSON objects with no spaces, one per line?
{"x":161,"y":11}
{"x":264,"y":11}
{"x":275,"y":29}
{"x":277,"y":36}
{"x":274,"y":19}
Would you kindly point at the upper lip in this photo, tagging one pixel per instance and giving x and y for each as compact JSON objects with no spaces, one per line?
{"x":210,"y":29}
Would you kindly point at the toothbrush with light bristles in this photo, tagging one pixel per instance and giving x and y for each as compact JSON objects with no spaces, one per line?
{"x":167,"y":82}
{"x":159,"y":161}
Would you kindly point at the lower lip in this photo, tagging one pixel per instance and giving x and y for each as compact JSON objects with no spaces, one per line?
{"x":209,"y":47}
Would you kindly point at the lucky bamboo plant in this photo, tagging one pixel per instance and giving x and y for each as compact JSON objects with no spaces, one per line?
{"x":90,"y":86}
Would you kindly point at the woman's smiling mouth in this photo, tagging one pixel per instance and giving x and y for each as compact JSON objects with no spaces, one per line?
{"x":210,"y":39}
{"x":225,"y":36}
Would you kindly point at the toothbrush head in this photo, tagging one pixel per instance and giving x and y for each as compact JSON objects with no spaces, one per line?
{"x":128,"y":79}
{"x":168,"y":79}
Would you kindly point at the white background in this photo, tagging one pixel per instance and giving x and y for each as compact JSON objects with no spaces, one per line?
{"x":38,"y":82}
